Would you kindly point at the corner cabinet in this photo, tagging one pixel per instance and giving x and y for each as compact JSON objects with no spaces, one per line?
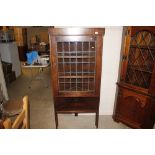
{"x":76,"y":57}
{"x":135,"y":105}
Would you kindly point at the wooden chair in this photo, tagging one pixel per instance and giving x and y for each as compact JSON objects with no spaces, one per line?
{"x":9,"y":108}
{"x":22,"y":120}
{"x":12,"y":108}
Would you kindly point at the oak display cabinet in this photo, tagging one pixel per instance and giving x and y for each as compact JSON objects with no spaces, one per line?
{"x":76,"y":57}
{"x":136,"y":89}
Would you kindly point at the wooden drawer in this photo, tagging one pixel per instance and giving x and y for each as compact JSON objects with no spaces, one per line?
{"x":77,"y":104}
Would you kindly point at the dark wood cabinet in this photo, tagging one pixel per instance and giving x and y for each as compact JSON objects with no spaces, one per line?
{"x":76,"y":57}
{"x":21,"y":39}
{"x":135,"y":104}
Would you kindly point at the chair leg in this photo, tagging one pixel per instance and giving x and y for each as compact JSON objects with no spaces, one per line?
{"x":97,"y":118}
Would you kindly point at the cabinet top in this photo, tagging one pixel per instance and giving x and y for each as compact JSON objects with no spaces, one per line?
{"x":135,"y":29}
{"x":76,"y":31}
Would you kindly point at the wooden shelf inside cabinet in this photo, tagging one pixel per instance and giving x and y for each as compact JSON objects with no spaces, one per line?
{"x":76,"y":56}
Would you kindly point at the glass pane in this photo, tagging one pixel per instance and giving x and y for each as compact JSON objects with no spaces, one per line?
{"x":141,"y":59}
{"x":76,"y":66}
{"x":59,"y":47}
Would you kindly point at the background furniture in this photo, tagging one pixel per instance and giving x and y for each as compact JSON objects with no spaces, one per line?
{"x":9,"y":108}
{"x":20,"y":34}
{"x":2,"y":82}
{"x":22,"y":120}
{"x":12,"y":107}
{"x":136,"y":89}
{"x":9,"y":53}
{"x":9,"y":75}
{"x":76,"y":57}
{"x":41,"y":63}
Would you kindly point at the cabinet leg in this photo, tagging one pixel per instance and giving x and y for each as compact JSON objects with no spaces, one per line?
{"x":56,"y":120}
{"x":76,"y":114}
{"x":115,"y":119}
{"x":96,"y":121}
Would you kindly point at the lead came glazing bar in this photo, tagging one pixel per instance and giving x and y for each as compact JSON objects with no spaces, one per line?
{"x":76,"y":56}
{"x":70,"y":67}
{"x":82,"y":65}
{"x":58,"y":66}
{"x":76,"y":63}
{"x":79,"y":73}
{"x":89,"y":65}
{"x":74,"y":90}
{"x":74,"y":52}
{"x":95,"y":63}
{"x":63,"y":62}
{"x":85,"y":76}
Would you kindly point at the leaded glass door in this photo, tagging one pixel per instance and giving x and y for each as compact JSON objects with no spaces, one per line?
{"x":141,"y":59}
{"x":135,"y":104}
{"x":76,"y":64}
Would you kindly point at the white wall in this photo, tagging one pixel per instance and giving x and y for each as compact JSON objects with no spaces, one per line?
{"x":110,"y":68}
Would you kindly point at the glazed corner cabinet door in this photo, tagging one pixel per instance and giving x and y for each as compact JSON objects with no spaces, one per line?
{"x":136,"y":89}
{"x":76,"y":57}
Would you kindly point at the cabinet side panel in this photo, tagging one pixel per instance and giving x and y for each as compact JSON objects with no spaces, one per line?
{"x":98,"y":63}
{"x":53,"y":66}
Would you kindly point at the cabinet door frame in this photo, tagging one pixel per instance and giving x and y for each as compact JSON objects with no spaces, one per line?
{"x":125,"y":53}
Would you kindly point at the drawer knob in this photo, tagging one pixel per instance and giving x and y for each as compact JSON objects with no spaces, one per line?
{"x":142,"y":103}
{"x":137,"y":99}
